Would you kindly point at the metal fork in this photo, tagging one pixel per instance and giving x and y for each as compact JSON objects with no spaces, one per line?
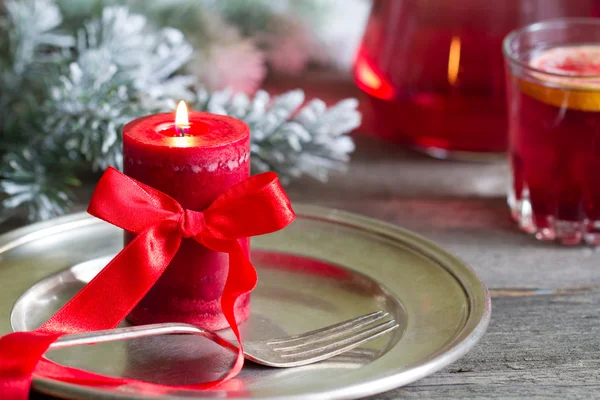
{"x":282,"y":352}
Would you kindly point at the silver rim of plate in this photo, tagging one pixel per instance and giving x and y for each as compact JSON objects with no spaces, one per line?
{"x":441,"y":304}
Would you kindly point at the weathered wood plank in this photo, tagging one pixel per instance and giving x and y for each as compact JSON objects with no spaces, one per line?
{"x":504,"y":392}
{"x":536,"y":347}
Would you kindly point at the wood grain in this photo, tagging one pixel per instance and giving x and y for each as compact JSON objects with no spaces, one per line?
{"x":536,"y":347}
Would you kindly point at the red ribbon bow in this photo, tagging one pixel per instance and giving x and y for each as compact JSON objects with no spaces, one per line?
{"x":256,"y":206}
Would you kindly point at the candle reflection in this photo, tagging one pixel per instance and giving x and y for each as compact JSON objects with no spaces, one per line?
{"x":453,"y":60}
{"x":371,"y":82}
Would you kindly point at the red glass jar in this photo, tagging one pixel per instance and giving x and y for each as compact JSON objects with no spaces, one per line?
{"x":434,"y":74}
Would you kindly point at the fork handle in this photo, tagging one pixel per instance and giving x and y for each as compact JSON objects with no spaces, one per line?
{"x":134,"y":332}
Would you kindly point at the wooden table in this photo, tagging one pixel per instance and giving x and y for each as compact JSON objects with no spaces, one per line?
{"x":544,"y":337}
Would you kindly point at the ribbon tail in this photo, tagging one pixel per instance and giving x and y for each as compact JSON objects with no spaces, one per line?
{"x":108,"y":298}
{"x":101,"y":304}
{"x":241,"y":279}
{"x":19,"y":356}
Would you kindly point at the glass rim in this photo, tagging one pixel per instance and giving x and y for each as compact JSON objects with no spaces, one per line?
{"x":538,"y":26}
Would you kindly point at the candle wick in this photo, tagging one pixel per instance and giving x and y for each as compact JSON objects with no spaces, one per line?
{"x":183,"y":130}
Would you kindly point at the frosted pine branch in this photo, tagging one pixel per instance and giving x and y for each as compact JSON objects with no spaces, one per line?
{"x":124,"y":68}
{"x":288,"y":138}
{"x":32,"y":25}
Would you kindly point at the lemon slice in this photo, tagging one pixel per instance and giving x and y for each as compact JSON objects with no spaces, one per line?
{"x":575,"y":82}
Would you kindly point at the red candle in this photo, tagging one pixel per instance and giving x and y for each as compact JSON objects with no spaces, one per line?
{"x":193,"y":162}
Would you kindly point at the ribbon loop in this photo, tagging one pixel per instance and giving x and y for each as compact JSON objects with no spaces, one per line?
{"x":251,"y":201}
{"x":129,"y":204}
{"x":256,"y":206}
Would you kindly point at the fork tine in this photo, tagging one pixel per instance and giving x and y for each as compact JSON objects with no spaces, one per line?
{"x":311,"y":338}
{"x":331,"y":331}
{"x":339,"y":346}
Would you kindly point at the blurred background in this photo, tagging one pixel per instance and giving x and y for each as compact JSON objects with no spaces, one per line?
{"x":243,"y":44}
{"x":425,"y":75}
{"x":73,"y":72}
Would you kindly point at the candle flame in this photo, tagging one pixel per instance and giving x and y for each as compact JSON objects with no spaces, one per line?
{"x":181,"y":116}
{"x":453,"y":60}
{"x":182,"y":122}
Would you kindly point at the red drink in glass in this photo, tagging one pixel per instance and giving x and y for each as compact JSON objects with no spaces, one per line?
{"x":554,"y":118}
{"x":434,"y":74}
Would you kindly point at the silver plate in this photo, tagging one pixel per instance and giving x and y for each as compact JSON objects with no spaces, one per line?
{"x":327,"y":267}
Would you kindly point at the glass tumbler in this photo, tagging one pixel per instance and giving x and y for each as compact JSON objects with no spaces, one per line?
{"x":553,"y":97}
